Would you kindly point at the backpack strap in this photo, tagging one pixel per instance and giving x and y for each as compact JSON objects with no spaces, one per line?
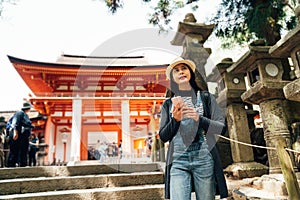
{"x":206,"y":104}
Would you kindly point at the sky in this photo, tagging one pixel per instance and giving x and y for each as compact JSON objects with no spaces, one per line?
{"x":42,"y":30}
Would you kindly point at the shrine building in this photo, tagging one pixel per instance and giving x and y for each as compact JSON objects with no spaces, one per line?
{"x":83,"y":99}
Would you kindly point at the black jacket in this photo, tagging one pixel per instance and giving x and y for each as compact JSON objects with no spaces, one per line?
{"x":21,"y":122}
{"x":212,"y":122}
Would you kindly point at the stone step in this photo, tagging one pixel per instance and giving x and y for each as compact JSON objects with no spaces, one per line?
{"x":95,"y":169}
{"x":44,"y":184}
{"x":144,"y":192}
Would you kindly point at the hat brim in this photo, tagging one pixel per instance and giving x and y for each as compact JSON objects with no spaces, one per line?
{"x":26,"y":107}
{"x":189,"y":63}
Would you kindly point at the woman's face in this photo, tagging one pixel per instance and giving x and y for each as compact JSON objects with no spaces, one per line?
{"x":181,"y":74}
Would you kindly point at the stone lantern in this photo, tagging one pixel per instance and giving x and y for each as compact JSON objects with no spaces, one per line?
{"x":192,"y":35}
{"x":266,"y":75}
{"x":42,"y":152}
{"x":230,"y":88}
{"x":64,"y":139}
{"x":289,"y":46}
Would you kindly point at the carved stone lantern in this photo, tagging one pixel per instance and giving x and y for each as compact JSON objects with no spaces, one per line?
{"x":64,"y":139}
{"x":267,"y":75}
{"x":42,"y":152}
{"x":230,"y":88}
{"x":289,"y":46}
{"x":192,"y":35}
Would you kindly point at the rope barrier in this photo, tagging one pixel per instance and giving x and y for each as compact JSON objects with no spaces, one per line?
{"x":243,"y":143}
{"x":257,"y":146}
{"x":292,"y":150}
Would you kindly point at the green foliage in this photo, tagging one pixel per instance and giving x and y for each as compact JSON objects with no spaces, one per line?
{"x":236,"y":21}
{"x":243,"y":21}
{"x":291,"y":22}
{"x":114,"y":5}
{"x":164,"y":10}
{"x":161,"y":14}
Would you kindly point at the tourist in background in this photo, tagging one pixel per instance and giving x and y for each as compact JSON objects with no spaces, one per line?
{"x":189,"y":120}
{"x":148,"y":144}
{"x":110,"y":150}
{"x":120,"y":149}
{"x":19,"y":133}
{"x":115,"y":149}
{"x":103,"y":151}
{"x":33,"y":147}
{"x":96,"y":150}
{"x":2,"y":141}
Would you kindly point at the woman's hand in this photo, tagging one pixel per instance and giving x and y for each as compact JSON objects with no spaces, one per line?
{"x":177,"y":108}
{"x":177,"y":112}
{"x":189,"y":112}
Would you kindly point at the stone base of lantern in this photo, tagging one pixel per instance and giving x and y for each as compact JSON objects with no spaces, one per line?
{"x":246,"y":170}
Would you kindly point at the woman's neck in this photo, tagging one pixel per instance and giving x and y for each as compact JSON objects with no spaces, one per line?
{"x":184,"y":87}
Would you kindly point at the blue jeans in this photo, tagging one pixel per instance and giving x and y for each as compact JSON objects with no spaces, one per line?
{"x":193,"y":169}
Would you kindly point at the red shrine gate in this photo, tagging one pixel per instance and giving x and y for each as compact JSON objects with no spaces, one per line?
{"x":81,"y":97}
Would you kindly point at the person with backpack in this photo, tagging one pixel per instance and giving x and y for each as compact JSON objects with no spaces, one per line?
{"x":190,"y":118}
{"x":19,"y":132}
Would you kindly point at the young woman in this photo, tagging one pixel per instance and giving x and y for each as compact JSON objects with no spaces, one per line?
{"x":189,"y":120}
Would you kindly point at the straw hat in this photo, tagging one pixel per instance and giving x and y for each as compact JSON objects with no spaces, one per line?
{"x":177,"y":61}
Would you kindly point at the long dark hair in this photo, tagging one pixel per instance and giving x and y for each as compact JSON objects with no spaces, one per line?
{"x":174,"y":86}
